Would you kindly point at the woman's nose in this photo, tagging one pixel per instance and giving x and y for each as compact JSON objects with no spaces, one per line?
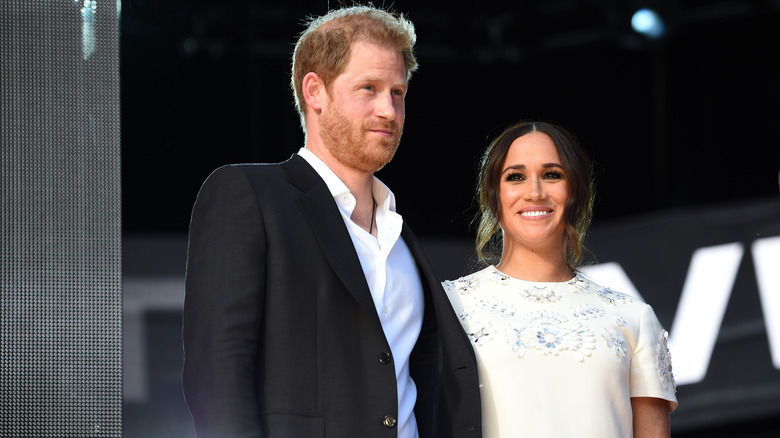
{"x":536,"y":189}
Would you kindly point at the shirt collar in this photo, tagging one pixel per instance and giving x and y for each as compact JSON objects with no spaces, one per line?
{"x":385,"y":199}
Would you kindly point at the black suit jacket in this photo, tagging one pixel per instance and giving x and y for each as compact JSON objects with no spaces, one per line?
{"x":281,"y":335}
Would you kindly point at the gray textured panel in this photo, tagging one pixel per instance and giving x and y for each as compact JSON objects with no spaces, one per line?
{"x":60,"y":220}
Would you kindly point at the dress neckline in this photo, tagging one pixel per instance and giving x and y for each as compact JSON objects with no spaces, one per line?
{"x":542,"y":283}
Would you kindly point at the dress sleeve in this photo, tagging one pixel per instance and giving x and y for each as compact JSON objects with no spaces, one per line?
{"x":651,"y":363}
{"x":224,"y":291}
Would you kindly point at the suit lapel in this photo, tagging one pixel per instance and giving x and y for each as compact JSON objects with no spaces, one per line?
{"x":326,"y":222}
{"x":456,"y":338}
{"x":428,"y":277}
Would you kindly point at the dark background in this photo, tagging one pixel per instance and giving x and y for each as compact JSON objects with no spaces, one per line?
{"x":689,"y":120}
{"x":675,"y":125}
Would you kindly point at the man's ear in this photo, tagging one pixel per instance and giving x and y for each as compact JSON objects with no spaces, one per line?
{"x":314,"y":92}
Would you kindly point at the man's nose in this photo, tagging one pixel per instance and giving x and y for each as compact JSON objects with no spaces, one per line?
{"x":385,"y":106}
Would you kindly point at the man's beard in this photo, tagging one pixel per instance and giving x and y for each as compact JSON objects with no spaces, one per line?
{"x":347,"y":141}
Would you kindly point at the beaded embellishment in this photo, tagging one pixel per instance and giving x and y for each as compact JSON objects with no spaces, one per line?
{"x":540,"y":295}
{"x":587,"y":312}
{"x":482,"y":335}
{"x":609,"y":296}
{"x":462,"y":285}
{"x":496,"y":306}
{"x":498,"y":277}
{"x":579,"y":283}
{"x":664,"y":358}
{"x":616,"y":341}
{"x":551,"y":334}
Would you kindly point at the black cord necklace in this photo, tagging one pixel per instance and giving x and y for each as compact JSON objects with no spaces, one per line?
{"x":373,"y":211}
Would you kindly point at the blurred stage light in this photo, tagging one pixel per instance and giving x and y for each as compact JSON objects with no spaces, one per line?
{"x":648,"y":23}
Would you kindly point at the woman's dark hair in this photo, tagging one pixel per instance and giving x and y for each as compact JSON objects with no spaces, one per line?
{"x":577,"y":167}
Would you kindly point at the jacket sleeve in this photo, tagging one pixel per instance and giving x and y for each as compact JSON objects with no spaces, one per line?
{"x":223,"y":304}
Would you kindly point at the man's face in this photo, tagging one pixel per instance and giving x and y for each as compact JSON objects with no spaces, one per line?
{"x":363,"y":118}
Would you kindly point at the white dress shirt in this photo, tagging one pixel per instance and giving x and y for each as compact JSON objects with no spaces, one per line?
{"x":392,"y":278}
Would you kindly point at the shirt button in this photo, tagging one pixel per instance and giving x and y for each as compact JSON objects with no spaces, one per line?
{"x":384,"y":358}
{"x":386,"y":310}
{"x":389,"y":422}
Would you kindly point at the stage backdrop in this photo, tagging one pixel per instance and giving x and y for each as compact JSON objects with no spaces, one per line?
{"x":60,"y":226}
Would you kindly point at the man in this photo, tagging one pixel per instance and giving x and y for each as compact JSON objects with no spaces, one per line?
{"x":310,"y":309}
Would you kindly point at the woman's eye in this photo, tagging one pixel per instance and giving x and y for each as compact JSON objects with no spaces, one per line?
{"x":553,"y":175}
{"x":515,"y":177}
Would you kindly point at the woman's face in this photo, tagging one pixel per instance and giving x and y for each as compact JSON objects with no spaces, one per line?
{"x":533,"y":192}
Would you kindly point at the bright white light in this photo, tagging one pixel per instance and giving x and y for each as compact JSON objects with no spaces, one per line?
{"x":766,"y":258}
{"x":705,"y":294}
{"x":648,"y":23}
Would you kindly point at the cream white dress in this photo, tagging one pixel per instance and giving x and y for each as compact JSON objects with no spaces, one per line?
{"x":560,"y":359}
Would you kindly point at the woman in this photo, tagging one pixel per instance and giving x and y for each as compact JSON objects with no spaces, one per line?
{"x":558,"y":355}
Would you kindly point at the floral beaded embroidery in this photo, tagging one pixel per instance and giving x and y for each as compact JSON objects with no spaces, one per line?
{"x":514,"y":338}
{"x":496,"y":306}
{"x":579,"y":284}
{"x":664,"y":358}
{"x":553,"y":340}
{"x":498,"y":277}
{"x":611,"y":297}
{"x":462,"y":285}
{"x":545,"y":318}
{"x":482,"y":335}
{"x":551,"y":334}
{"x":615,"y":341}
{"x":540,"y":295}
{"x":587,"y":311}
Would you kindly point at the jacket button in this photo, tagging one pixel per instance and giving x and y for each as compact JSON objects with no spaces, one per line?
{"x":389,"y":422}
{"x":384,"y":358}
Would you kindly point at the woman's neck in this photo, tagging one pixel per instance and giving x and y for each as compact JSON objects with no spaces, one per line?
{"x":530,"y":265}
